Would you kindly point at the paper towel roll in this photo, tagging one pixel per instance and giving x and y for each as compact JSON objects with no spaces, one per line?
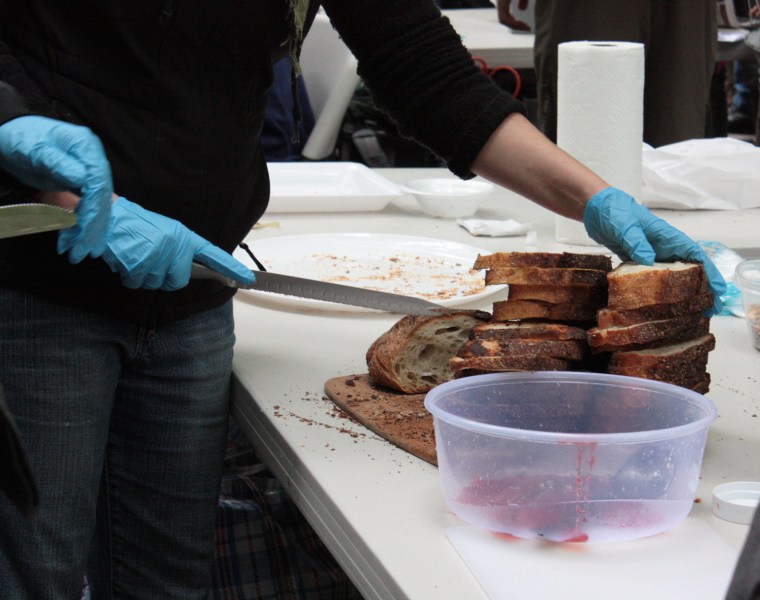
{"x":600,"y":116}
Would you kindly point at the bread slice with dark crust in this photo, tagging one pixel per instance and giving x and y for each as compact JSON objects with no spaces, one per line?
{"x":549,"y":276}
{"x":612,"y":317}
{"x":683,"y":356}
{"x":650,"y":334}
{"x":490,"y":364}
{"x":413,"y":355}
{"x":631,"y":285}
{"x":510,"y":310}
{"x":544,"y":260}
{"x":595,"y":295}
{"x":533,"y":330}
{"x":575,"y":350}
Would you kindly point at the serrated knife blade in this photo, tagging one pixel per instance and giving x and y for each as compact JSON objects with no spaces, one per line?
{"x":25,"y":219}
{"x":289,"y":285}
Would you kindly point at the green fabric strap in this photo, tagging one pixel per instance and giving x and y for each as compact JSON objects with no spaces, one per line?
{"x":298,"y":9}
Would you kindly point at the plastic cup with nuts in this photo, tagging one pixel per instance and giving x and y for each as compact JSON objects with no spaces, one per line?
{"x":747,"y":279}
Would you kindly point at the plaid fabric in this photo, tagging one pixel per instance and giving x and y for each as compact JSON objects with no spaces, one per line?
{"x":265,"y":549}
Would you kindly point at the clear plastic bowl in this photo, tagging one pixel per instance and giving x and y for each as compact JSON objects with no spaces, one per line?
{"x":747,"y":279}
{"x":567,"y":456}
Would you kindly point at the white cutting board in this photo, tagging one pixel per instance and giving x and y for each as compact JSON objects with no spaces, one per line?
{"x":689,"y":562}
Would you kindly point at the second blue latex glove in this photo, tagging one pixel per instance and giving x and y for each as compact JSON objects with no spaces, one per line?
{"x":155,"y":252}
{"x":57,"y":156}
{"x":631,"y":231}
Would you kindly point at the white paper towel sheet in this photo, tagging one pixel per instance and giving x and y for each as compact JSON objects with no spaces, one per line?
{"x":600,"y":116}
{"x":690,"y":562}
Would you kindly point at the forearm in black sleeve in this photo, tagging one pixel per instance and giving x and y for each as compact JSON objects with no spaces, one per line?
{"x":418,"y":70}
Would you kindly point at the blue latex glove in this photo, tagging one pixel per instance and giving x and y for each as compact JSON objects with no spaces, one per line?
{"x":155,"y":252}
{"x":56,"y":156}
{"x":631,"y":231}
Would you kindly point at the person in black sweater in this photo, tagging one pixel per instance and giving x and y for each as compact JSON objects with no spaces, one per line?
{"x":118,"y":367}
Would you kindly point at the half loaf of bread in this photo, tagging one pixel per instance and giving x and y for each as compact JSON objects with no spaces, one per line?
{"x":413,"y":355}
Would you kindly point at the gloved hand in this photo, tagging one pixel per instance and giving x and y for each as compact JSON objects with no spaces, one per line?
{"x":632,"y":232}
{"x":152,"y":251}
{"x":56,"y":156}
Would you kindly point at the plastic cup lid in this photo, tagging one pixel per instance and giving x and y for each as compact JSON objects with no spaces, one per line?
{"x":736,"y":501}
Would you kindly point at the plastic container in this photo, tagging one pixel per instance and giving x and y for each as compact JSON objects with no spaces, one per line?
{"x":445,"y":197}
{"x":567,"y":456}
{"x":747,"y":279}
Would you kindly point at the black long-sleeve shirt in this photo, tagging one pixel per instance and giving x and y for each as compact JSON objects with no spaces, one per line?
{"x":176,"y":90}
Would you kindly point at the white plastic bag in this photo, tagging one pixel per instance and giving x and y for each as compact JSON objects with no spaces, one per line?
{"x":709,"y":174}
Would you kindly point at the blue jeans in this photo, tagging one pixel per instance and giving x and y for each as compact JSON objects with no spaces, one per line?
{"x":126,"y":431}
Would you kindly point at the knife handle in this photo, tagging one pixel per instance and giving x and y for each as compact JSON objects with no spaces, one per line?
{"x":199,"y":271}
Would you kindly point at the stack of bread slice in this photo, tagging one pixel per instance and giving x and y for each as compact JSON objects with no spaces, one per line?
{"x":520,"y":346}
{"x":553,"y":299}
{"x":654,"y":324}
{"x":562,"y":287}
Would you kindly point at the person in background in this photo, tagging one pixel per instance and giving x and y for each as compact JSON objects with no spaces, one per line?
{"x":118,"y":368}
{"x":680,"y":37}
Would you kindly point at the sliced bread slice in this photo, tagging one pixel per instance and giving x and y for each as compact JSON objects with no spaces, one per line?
{"x":651,"y":334}
{"x":489,"y":364}
{"x":612,"y":317}
{"x":510,"y":310}
{"x":631,"y":285}
{"x":674,"y":356}
{"x":532,"y":330}
{"x":575,"y":350}
{"x":498,"y":260}
{"x":549,"y":276}
{"x":558,"y":294}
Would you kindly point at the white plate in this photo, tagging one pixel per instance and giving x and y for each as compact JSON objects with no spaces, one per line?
{"x":327,"y":187}
{"x":436,"y":270}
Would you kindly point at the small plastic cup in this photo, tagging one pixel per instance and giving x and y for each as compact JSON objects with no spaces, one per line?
{"x":747,"y":279}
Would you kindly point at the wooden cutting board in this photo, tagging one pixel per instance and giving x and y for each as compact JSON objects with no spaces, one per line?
{"x":399,"y":418}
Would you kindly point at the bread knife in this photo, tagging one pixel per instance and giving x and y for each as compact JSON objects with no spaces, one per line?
{"x":24,"y":219}
{"x":289,"y":285}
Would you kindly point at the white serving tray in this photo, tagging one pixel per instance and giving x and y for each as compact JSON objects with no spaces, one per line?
{"x":327,"y":187}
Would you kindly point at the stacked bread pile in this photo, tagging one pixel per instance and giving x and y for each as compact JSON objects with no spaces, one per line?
{"x":553,"y":299}
{"x":654,"y":325}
